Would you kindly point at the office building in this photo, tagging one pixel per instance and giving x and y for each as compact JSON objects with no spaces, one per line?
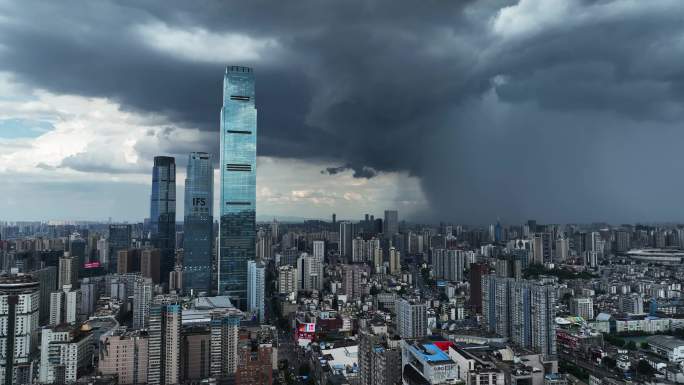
{"x":164,"y":351}
{"x":142,"y":299}
{"x":347,"y":230}
{"x":669,"y":347}
{"x":128,"y":260}
{"x":150,"y":265}
{"x":124,"y":354}
{"x":47,"y":282}
{"x":119,"y":239}
{"x":425,"y":363}
{"x":77,"y":249}
{"x":237,"y":226}
{"x":256,"y":276}
{"x":391,"y":223}
{"x":64,"y":352}
{"x":19,"y":311}
{"x":163,"y":213}
{"x":411,"y":318}
{"x":198,"y":233}
{"x":582,"y":307}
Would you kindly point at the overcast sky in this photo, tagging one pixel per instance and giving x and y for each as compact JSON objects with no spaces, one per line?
{"x":466,"y":111}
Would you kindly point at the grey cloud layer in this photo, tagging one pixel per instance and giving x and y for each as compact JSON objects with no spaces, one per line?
{"x":560,"y":118}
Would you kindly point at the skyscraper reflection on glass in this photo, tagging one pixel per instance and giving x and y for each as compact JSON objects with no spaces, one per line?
{"x":198,"y":231}
{"x":237,"y":228}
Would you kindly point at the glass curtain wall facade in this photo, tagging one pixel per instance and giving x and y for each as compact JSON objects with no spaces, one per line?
{"x":237,"y":227}
{"x":163,"y":212}
{"x":198,"y":231}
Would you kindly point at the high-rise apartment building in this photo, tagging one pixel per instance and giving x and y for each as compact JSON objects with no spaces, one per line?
{"x":237,"y":226}
{"x":541,"y":248}
{"x":124,"y":354}
{"x":119,"y":239}
{"x":391,"y":224}
{"x":319,"y":250}
{"x":562,"y":251}
{"x":64,"y":351}
{"x":448,"y":264}
{"x":379,"y":359}
{"x":309,"y":273}
{"x":351,"y":280}
{"x":411,"y":318}
{"x":19,"y":302}
{"x":521,"y":310}
{"x":163,"y":213}
{"x":164,"y":350}
{"x":287,"y":280}
{"x":394,"y":261}
{"x":196,"y":360}
{"x":142,"y":299}
{"x":198,"y":233}
{"x":623,"y":241}
{"x":68,"y":271}
{"x":224,"y":342}
{"x":256,"y":276}
{"x":477,"y":272}
{"x":583,"y":307}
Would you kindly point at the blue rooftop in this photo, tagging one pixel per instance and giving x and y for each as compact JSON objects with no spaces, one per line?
{"x":430,"y":353}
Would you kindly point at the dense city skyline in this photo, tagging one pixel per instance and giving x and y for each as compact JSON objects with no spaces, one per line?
{"x":502,"y":109}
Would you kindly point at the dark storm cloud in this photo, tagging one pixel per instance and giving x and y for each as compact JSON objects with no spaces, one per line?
{"x":535,"y":118}
{"x":359,"y":171}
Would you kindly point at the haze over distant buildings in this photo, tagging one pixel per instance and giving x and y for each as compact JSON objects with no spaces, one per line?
{"x":507,"y":109}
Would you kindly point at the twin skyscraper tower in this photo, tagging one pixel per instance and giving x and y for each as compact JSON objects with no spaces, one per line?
{"x":237,"y":200}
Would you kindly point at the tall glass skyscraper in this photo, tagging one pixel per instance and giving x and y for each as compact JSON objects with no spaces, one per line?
{"x":163,"y":212}
{"x":198,"y":231}
{"x":237,"y":227}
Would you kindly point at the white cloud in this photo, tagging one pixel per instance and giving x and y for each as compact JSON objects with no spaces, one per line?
{"x":532,"y":17}
{"x":199,"y":44}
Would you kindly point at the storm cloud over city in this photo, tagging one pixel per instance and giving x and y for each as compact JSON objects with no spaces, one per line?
{"x":452,"y":110}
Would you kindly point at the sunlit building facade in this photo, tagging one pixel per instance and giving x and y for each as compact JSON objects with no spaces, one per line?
{"x":237,"y":227}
